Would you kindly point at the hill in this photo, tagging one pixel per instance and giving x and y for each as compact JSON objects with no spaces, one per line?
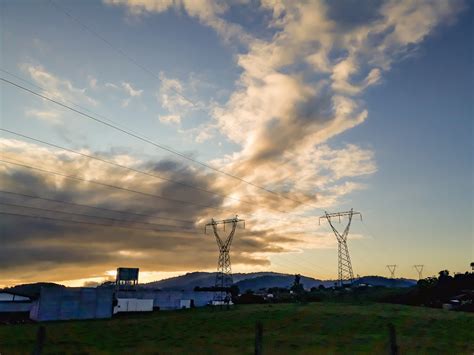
{"x":282,"y":281}
{"x":386,"y":282}
{"x":202,"y":279}
{"x":257,"y":280}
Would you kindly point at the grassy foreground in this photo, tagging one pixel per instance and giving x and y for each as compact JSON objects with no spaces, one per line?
{"x":288,"y":329}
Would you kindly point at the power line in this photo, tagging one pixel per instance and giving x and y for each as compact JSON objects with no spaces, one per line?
{"x":90,"y":223}
{"x":95,"y":182}
{"x":107,"y":185}
{"x":89,"y":156}
{"x":120,"y":221}
{"x":113,"y":226}
{"x":94,"y":207}
{"x":143,"y":172}
{"x":66,"y":100}
{"x":71,"y":102}
{"x":128,"y":128}
{"x":21,"y":164}
{"x":90,"y":216}
{"x":293,"y":262}
{"x":118,"y":50}
{"x":128,"y":57}
{"x":105,"y":118}
{"x":160,"y":146}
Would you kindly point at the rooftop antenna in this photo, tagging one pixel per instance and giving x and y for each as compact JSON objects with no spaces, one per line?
{"x":224,"y":269}
{"x":345,"y":272}
{"x":419,"y":269}
{"x":392,"y":268}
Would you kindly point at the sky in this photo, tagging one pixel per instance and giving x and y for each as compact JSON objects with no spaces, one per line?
{"x":278,"y":111}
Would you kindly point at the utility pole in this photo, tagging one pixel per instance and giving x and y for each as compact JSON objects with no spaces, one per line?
{"x":344,"y":261}
{"x":419,"y":269}
{"x":224,"y":269}
{"x":392,"y":268}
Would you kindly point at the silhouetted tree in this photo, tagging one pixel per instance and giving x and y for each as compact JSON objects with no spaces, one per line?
{"x":443,"y":274}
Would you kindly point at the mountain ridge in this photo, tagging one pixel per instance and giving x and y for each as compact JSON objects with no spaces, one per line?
{"x":257,"y":280}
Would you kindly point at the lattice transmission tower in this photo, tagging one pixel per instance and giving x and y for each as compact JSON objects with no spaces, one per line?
{"x":392,"y":268}
{"x":345,"y":273}
{"x":224,"y":269}
{"x":419,"y":269}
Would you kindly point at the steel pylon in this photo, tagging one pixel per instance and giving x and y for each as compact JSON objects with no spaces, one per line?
{"x":392,"y":268}
{"x":224,"y":269}
{"x":419,"y":269}
{"x":345,"y":273}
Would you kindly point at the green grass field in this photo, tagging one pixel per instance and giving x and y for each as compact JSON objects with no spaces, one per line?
{"x":288,"y":329}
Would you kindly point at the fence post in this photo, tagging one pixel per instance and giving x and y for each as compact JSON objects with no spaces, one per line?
{"x":258,"y":338}
{"x":40,"y":337}
{"x":393,"y":350}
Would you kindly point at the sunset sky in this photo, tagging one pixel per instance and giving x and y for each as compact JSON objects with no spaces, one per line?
{"x":290,"y":109}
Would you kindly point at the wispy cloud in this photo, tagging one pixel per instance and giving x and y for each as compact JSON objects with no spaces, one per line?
{"x":48,"y":116}
{"x":178,"y":98}
{"x":57,"y":88}
{"x":169,"y":119}
{"x":208,"y":12}
{"x":131,"y":91}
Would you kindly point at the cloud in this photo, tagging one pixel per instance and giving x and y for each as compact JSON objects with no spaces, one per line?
{"x":92,"y":82}
{"x":111,"y":86}
{"x":171,"y":95}
{"x":206,"y":12}
{"x":131,"y":90}
{"x":48,"y":116}
{"x":59,"y":89}
{"x":35,"y":244}
{"x":301,"y":88}
{"x":64,"y":251}
{"x":174,"y":97}
{"x":170,"y":119}
{"x":298,"y":88}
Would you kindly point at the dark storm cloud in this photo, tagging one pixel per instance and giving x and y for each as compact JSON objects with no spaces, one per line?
{"x":55,"y":250}
{"x":283,"y":134}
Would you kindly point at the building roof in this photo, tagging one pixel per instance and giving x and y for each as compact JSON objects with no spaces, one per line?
{"x":6,"y":296}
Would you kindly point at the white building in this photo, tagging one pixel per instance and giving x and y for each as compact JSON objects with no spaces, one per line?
{"x":133,"y":305}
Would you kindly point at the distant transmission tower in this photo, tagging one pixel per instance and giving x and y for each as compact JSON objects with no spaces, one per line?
{"x":224,"y":269}
{"x":419,"y":268}
{"x":392,"y":268}
{"x":344,"y":261}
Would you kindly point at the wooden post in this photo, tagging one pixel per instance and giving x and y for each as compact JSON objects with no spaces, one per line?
{"x":258,"y":338}
{"x":393,"y":350}
{"x":40,"y":338}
